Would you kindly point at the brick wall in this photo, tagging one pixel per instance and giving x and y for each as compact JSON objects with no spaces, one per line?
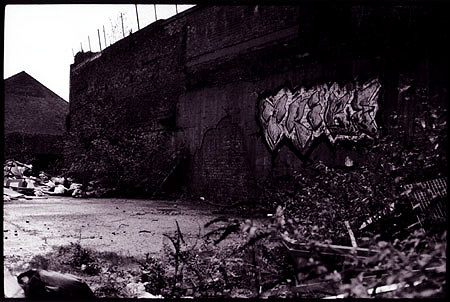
{"x":140,"y":74}
{"x":198,"y":76}
{"x":234,"y":25}
{"x":221,"y":165}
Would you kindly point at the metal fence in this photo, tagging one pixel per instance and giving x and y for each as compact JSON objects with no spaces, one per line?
{"x":429,"y":198}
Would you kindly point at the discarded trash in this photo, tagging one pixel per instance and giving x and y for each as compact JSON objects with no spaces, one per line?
{"x":58,"y":180}
{"x":19,"y":183}
{"x":43,"y":176}
{"x":11,"y":193}
{"x":137,"y":290}
{"x":38,"y":192}
{"x":60,"y":189}
{"x":10,"y":285}
{"x":76,"y":190}
{"x":15,"y":168}
{"x":147,"y":295}
{"x":43,"y":284}
{"x":16,"y":183}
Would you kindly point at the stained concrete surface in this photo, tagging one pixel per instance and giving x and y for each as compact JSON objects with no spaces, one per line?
{"x":130,"y":227}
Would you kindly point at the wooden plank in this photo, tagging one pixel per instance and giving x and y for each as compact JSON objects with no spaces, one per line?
{"x":301,"y":249}
{"x":350,"y":232}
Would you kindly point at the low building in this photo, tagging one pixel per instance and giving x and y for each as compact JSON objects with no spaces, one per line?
{"x":34,"y":122}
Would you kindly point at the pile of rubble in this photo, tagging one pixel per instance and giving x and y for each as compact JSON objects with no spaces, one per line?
{"x":19,"y":183}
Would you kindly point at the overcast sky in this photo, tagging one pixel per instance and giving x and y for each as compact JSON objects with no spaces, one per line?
{"x":42,"y":39}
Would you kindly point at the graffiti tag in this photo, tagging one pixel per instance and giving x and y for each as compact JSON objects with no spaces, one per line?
{"x":341,"y":113}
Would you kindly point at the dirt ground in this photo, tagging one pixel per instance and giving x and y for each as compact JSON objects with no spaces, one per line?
{"x":128,"y":227}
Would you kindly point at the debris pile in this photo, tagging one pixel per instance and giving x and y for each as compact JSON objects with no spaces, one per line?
{"x":20,"y":183}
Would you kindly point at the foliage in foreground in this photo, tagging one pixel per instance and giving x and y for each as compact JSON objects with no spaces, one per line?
{"x":250,"y":262}
{"x":414,"y":266}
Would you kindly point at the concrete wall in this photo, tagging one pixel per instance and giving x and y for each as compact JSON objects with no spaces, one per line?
{"x":199,"y":76}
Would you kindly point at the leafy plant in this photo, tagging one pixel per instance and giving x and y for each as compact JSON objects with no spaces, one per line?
{"x":413,"y":267}
{"x":80,"y":258}
{"x":153,"y":275}
{"x":128,"y":162}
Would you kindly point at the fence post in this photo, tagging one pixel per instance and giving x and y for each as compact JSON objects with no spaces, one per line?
{"x":104,"y":35}
{"x":123,"y":31}
{"x":137,"y":16}
{"x":99,"y":43}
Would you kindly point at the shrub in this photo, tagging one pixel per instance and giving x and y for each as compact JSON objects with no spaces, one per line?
{"x":130,"y":162}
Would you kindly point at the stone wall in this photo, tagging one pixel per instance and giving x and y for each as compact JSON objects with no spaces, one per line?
{"x":199,"y":77}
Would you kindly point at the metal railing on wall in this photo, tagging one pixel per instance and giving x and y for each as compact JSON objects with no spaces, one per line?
{"x":113,"y":31}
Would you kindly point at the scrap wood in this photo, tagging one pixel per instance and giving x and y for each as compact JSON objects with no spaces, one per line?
{"x":382,"y":273}
{"x":377,"y":274}
{"x":378,"y":216}
{"x":379,"y":290}
{"x":302,"y":249}
{"x":350,"y":232}
{"x":323,"y":287}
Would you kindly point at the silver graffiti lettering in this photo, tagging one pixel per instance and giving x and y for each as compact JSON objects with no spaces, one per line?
{"x":341,"y":113}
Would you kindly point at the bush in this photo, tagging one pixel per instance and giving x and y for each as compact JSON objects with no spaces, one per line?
{"x":79,"y":258}
{"x":153,"y":275}
{"x":130,"y":162}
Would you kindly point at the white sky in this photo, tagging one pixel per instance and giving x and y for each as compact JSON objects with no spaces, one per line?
{"x":39,"y":39}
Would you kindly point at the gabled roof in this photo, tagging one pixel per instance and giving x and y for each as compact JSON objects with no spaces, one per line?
{"x":32,"y":108}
